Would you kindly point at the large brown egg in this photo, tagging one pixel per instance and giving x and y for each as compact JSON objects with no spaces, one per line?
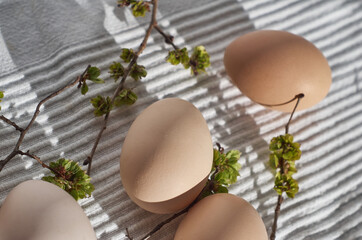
{"x":222,"y":216}
{"x":166,"y":156}
{"x":272,"y":67}
{"x":38,"y":210}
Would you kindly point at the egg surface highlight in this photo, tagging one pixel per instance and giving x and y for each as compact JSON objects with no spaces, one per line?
{"x":221,"y":216}
{"x":166,"y":156}
{"x":38,"y":210}
{"x":272,"y":67}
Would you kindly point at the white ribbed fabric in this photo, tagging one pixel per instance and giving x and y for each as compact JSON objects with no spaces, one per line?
{"x":46,"y":44}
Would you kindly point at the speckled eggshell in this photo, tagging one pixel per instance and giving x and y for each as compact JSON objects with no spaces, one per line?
{"x":38,"y":210}
{"x":272,"y":67}
{"x":222,"y":216}
{"x":166,"y":156}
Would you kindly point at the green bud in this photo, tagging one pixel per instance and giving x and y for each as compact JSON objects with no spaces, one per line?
{"x":102,"y":105}
{"x":221,"y":189}
{"x":116,"y":70}
{"x":284,"y":153}
{"x":73,"y":179}
{"x":199,"y":60}
{"x":93,"y":73}
{"x":140,"y":8}
{"x":179,"y":56}
{"x":84,"y":88}
{"x":138,"y":72}
{"x":125,"y":97}
{"x":1,"y":96}
{"x":127,"y":54}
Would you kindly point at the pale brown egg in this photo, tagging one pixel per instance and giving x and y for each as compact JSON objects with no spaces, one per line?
{"x":38,"y":210}
{"x":272,"y":67}
{"x":166,"y":156}
{"x":222,"y":216}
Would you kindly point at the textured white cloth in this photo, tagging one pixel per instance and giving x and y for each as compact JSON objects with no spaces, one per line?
{"x":46,"y":44}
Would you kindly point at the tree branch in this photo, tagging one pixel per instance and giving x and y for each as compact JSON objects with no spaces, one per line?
{"x":120,"y":87}
{"x":8,"y":121}
{"x":35,"y":115}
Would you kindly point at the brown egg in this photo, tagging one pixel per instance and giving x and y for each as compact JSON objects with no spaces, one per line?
{"x":272,"y":67}
{"x":40,"y":210}
{"x":166,"y":156}
{"x":222,"y":216}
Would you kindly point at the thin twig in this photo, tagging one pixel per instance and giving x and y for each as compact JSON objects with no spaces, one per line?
{"x":280,"y":197}
{"x":276,"y":215}
{"x":168,"y":220}
{"x":120,"y":87}
{"x":35,"y":115}
{"x":27,"y":153}
{"x":298,"y":97}
{"x":168,"y":38}
{"x":8,"y":121}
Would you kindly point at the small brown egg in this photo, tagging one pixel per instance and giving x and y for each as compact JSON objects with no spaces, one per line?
{"x":272,"y":67}
{"x":40,"y":210}
{"x":166,"y":156}
{"x":222,"y":216}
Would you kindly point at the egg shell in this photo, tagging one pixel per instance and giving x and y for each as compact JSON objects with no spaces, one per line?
{"x":166,"y":156}
{"x":38,"y":210}
{"x":222,"y":216}
{"x":272,"y":67}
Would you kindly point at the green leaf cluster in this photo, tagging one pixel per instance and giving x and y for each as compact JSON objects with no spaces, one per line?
{"x":198,"y":61}
{"x":127,"y":54}
{"x":224,"y":172}
{"x":284,"y":153}
{"x":139,"y":8}
{"x":179,"y":56}
{"x":1,"y":96}
{"x":125,"y":97}
{"x":116,"y":70}
{"x":138,"y":72}
{"x":74,"y":180}
{"x":102,"y":105}
{"x":92,"y":75}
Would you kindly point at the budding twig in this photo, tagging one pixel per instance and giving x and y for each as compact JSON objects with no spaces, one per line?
{"x":153,"y":24}
{"x":280,"y":197}
{"x":35,"y":115}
